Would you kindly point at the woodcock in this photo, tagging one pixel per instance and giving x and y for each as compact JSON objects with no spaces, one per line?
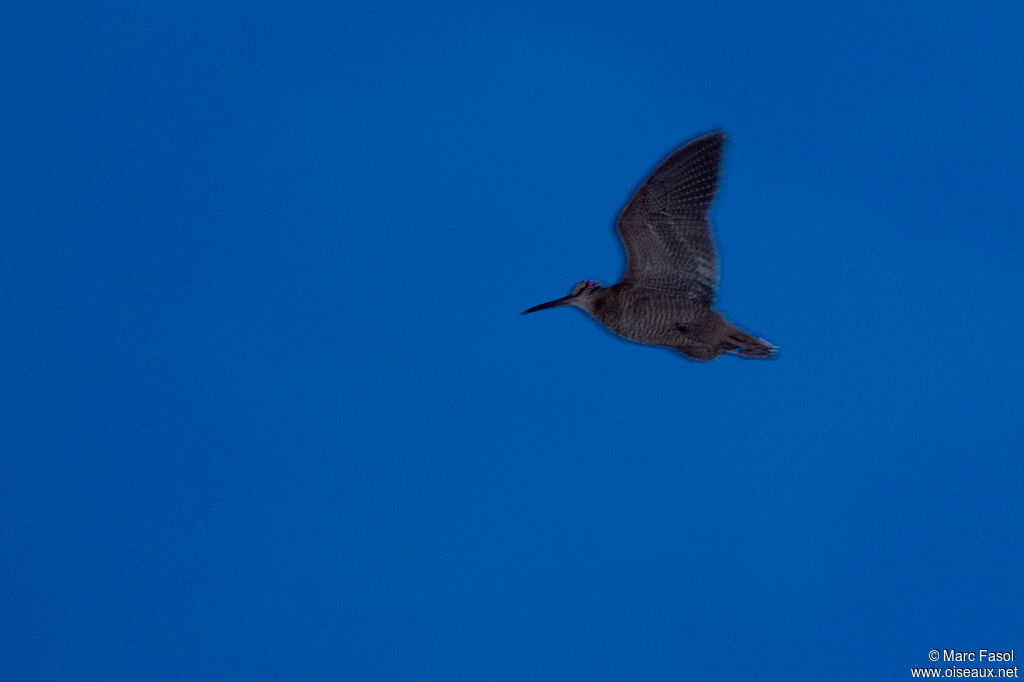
{"x":666,"y":293}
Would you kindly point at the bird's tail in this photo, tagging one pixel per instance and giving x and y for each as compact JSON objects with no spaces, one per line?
{"x":748,"y":345}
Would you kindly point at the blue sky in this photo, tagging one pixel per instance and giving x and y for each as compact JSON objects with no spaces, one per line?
{"x":271,"y":412}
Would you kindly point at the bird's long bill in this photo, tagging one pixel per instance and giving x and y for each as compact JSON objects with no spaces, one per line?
{"x":550,"y":304}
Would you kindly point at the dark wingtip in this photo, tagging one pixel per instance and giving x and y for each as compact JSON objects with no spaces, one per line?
{"x":715,"y":136}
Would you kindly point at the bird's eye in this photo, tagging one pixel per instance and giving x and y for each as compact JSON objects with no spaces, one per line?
{"x":591,"y":282}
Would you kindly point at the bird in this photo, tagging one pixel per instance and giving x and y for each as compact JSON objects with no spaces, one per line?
{"x":666,"y":294}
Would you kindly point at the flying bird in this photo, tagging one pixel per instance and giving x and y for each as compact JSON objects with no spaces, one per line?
{"x":666,"y":293}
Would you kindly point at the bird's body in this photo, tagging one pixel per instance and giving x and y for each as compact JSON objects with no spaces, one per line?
{"x":665,"y":296}
{"x":659,"y":318}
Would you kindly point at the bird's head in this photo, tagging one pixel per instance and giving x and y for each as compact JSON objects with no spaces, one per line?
{"x":581,"y":297}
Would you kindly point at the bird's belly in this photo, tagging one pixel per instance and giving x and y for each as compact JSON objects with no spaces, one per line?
{"x":654,"y":320}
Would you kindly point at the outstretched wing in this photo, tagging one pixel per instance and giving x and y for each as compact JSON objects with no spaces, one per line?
{"x":665,"y":226}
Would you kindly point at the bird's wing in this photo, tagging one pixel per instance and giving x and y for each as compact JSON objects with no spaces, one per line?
{"x":665,"y":226}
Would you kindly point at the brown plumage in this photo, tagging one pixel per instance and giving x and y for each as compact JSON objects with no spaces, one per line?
{"x":671,"y":277}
